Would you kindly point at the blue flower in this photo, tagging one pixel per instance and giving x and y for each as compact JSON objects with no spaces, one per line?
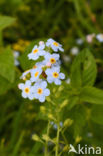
{"x":54,"y":75}
{"x":36,"y":52}
{"x":55,"y":125}
{"x":54,"y":45}
{"x":35,"y":73}
{"x":100,"y":37}
{"x":16,"y":55}
{"x":40,"y":90}
{"x":27,"y":90}
{"x":52,"y":58}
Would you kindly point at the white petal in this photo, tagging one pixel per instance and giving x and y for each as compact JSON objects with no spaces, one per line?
{"x":42,"y":98}
{"x":43,"y":84}
{"x":31,"y":96}
{"x":49,"y":79}
{"x":24,"y":95}
{"x":42,"y":46}
{"x":21,"y":86}
{"x":61,"y":76}
{"x":61,"y":49}
{"x":28,"y":83}
{"x":46,"y":92}
{"x":57,"y":82}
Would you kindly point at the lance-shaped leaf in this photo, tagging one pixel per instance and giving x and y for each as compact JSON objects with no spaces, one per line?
{"x":7,"y":64}
{"x":92,"y":95}
{"x":5,"y":21}
{"x":83,"y":72}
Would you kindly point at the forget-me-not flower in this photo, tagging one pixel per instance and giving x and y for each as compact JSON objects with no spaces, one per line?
{"x":36,"y":52}
{"x":54,"y":45}
{"x":40,"y":91}
{"x":35,"y":73}
{"x":54,"y":75}
{"x":100,"y":37}
{"x":52,"y":58}
{"x":27,"y":90}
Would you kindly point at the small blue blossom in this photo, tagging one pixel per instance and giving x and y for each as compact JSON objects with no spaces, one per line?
{"x":36,"y":52}
{"x":79,"y":41}
{"x":48,"y":70}
{"x":16,"y":55}
{"x":52,"y":58}
{"x":35,"y":73}
{"x":100,"y":37}
{"x":54,"y":75}
{"x":55,"y":125}
{"x":40,"y":90}
{"x":54,"y":45}
{"x":27,"y":90}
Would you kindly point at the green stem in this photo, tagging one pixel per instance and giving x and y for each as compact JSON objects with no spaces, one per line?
{"x":1,"y":38}
{"x":46,"y":144}
{"x":57,"y":141}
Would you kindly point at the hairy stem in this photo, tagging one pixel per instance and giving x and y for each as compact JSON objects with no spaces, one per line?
{"x":57,"y":140}
{"x":46,"y":144}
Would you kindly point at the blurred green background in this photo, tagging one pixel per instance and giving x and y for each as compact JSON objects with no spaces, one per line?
{"x":31,"y":21}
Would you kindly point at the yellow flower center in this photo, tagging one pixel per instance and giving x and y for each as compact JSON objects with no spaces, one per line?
{"x":52,"y":60}
{"x":40,"y":91}
{"x":27,"y":90}
{"x":35,"y":51}
{"x":36,"y":74}
{"x":55,"y":74}
{"x":55,"y":44}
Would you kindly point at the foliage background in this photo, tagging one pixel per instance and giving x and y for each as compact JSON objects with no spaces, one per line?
{"x":65,"y":21}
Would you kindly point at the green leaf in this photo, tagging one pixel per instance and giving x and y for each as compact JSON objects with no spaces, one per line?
{"x":83,"y":72}
{"x":78,"y":115}
{"x":97,"y":114}
{"x":5,"y":21}
{"x":7,"y":65}
{"x":4,"y":85}
{"x":92,"y":95}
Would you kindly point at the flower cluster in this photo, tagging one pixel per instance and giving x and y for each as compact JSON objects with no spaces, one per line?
{"x":44,"y":72}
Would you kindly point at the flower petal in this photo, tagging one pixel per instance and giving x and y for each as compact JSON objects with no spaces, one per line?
{"x":46,"y":92}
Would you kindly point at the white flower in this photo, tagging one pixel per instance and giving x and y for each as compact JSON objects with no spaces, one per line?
{"x":41,"y":43}
{"x":16,"y":62}
{"x":90,"y":37}
{"x":35,"y":73}
{"x":51,"y":59}
{"x":68,"y":81}
{"x":53,"y":75}
{"x":74,"y":50}
{"x":79,"y":41}
{"x":27,"y":90}
{"x":36,"y":52}
{"x":40,"y":91}
{"x":16,"y":55}
{"x":100,"y":37}
{"x":54,"y":45}
{"x":66,"y":58}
